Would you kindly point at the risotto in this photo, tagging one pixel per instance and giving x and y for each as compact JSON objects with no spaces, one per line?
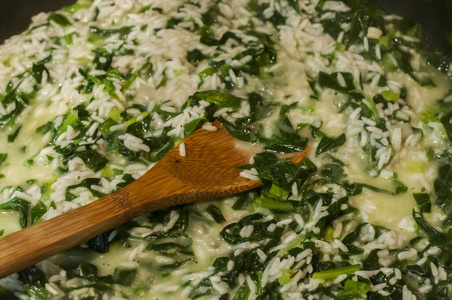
{"x":93,"y":95}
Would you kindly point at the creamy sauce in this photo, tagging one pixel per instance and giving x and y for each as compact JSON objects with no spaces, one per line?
{"x":9,"y":221}
{"x":391,"y":212}
{"x":27,"y":144}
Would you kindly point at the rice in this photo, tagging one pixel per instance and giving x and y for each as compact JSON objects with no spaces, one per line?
{"x":182,"y":151}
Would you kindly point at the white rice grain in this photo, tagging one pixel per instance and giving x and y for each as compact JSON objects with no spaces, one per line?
{"x":182,"y":151}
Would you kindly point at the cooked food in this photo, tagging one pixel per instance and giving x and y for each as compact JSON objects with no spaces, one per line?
{"x":93,"y":95}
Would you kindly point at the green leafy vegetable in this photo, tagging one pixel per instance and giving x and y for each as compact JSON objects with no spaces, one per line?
{"x":442,"y":185}
{"x":45,"y":128}
{"x":390,"y":95}
{"x":231,"y":233}
{"x":285,"y":139}
{"x":207,"y":36}
{"x":124,"y":276}
{"x":286,"y":276}
{"x":423,"y":202}
{"x":327,"y":144}
{"x":353,"y":289}
{"x":216,"y":214}
{"x":104,"y":33}
{"x":93,"y":159}
{"x":70,"y":119}
{"x":37,"y":212}
{"x":439,"y":61}
{"x":76,"y":7}
{"x":192,"y":126}
{"x":242,"y":293}
{"x":13,"y":136}
{"x":221,"y":99}
{"x":87,"y":183}
{"x":103,"y":59}
{"x":99,"y":243}
{"x":35,"y":281}
{"x":3,"y":157}
{"x":59,"y":19}
{"x":37,"y":70}
{"x":144,"y":9}
{"x":278,"y":193}
{"x":331,"y":274}
{"x":276,"y":18}
{"x":435,"y":237}
{"x":333,"y":81}
{"x":269,"y":203}
{"x":20,"y":205}
{"x":195,"y":56}
{"x":20,"y":100}
{"x":272,"y":170}
{"x":87,"y":271}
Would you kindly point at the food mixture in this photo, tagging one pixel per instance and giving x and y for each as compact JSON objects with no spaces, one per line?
{"x":92,"y":96}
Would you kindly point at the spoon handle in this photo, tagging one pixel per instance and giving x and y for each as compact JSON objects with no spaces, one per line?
{"x":43,"y":240}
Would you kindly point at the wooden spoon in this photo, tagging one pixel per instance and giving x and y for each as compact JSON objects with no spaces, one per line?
{"x":208,"y":171}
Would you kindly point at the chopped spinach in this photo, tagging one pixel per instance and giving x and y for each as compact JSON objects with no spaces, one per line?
{"x":59,"y":19}
{"x":3,"y":157}
{"x":423,"y":202}
{"x":331,"y":274}
{"x":353,"y":289}
{"x":327,"y":143}
{"x":21,"y":206}
{"x":216,"y":214}
{"x":442,"y":185}
{"x":37,"y":212}
{"x":20,"y":100}
{"x":221,"y":99}
{"x":13,"y":136}
{"x":336,"y":81}
{"x":37,"y":70}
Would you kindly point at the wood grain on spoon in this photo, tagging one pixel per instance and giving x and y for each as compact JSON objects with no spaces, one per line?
{"x":208,"y":171}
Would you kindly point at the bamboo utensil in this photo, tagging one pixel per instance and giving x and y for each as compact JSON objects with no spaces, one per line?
{"x":207,"y":171}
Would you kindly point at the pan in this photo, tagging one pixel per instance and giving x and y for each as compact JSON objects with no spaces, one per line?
{"x":433,"y":16}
